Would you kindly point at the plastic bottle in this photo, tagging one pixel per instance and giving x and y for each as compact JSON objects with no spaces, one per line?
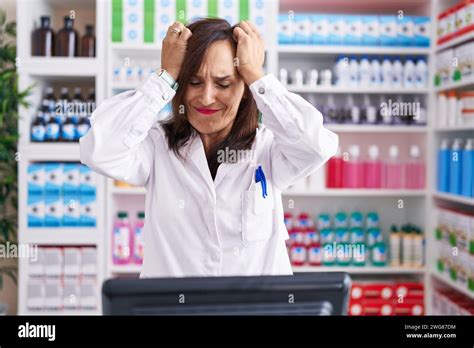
{"x":407,"y":246}
{"x":370,"y":111}
{"x":387,"y":73}
{"x":354,"y":74}
{"x":373,"y":169}
{"x":395,"y":240}
{"x":62,"y":106}
{"x":365,"y":72}
{"x":375,"y":73}
{"x":418,"y":248}
{"x":442,"y":110}
{"x":43,"y":39}
{"x":385,"y":111}
{"x":421,"y":73}
{"x":409,"y":73}
{"x":139,"y":238}
{"x":38,"y":128}
{"x":393,"y":169}
{"x":415,"y":170}
{"x":49,"y":100}
{"x":342,"y":71}
{"x":455,"y":167}
{"x":443,"y":166}
{"x":452,"y":109}
{"x":397,"y":73}
{"x":68,"y":130}
{"x":53,"y":130}
{"x":353,"y":172}
{"x":83,"y":126}
{"x":334,"y":171}
{"x":121,"y":239}
{"x":467,"y":169}
{"x":420,"y":116}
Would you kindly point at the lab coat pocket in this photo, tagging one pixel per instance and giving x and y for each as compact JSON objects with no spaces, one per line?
{"x":257,"y":215}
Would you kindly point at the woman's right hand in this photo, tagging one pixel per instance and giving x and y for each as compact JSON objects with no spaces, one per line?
{"x":174,"y":48}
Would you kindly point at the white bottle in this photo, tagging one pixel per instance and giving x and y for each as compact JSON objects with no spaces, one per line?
{"x":375,"y":73}
{"x":421,"y":73}
{"x":354,"y":77}
{"x":420,"y":111}
{"x":387,"y":75}
{"x":442,"y":110}
{"x":397,"y":73}
{"x":365,"y":72}
{"x":341,"y":70}
{"x":409,"y":76}
{"x":452,"y":108}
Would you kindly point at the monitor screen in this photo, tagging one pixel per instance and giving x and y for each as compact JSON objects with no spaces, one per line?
{"x":298,"y":294}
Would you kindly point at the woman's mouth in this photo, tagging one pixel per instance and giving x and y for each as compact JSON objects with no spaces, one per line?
{"x":206,"y":111}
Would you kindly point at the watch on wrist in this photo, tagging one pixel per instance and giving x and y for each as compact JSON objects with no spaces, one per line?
{"x":168,"y":78}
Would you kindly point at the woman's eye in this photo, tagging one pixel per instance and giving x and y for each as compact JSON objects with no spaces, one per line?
{"x":194,"y":83}
{"x":224,"y":86}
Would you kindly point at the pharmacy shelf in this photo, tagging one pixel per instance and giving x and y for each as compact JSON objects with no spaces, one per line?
{"x":448,"y":281}
{"x":357,"y":193}
{"x":124,"y":85}
{"x":455,"y":129}
{"x":360,"y":270}
{"x":135,"y":47}
{"x":61,"y":67}
{"x":127,"y":190}
{"x":355,"y":128}
{"x":354,"y":90}
{"x":68,"y":312}
{"x":60,"y":236}
{"x":454,"y":198}
{"x":50,"y":151}
{"x":455,"y":41}
{"x":456,"y":85}
{"x":328,"y":49}
{"x":125,"y":269}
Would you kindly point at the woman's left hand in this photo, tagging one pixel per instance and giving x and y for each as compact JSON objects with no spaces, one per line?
{"x":250,"y":52}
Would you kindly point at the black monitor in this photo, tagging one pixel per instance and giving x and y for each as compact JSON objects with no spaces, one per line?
{"x":299,"y":294}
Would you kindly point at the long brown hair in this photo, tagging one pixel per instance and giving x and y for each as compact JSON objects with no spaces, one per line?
{"x":177,"y":128}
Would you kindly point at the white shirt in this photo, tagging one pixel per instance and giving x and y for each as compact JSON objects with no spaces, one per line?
{"x":196,"y":226}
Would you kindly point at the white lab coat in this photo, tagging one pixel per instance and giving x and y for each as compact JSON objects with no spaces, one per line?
{"x":196,"y":226}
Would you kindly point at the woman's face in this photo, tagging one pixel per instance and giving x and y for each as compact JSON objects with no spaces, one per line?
{"x":213,"y":95}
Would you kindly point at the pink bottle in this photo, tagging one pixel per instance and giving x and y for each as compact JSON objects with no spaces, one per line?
{"x":415,"y":170}
{"x":138,"y":238}
{"x":353,"y":169}
{"x":373,"y":169}
{"x":393,"y":170}
{"x":121,"y":239}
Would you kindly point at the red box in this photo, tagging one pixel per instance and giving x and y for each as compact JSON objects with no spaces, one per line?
{"x":409,"y":307}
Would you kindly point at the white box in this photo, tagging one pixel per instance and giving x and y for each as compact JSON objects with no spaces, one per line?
{"x":405,"y":31}
{"x":259,"y":10}
{"x":53,"y":294}
{"x":36,"y":178}
{"x":71,"y":178}
{"x":89,"y":264}
{"x":320,"y":29}
{"x":165,"y":15}
{"x":302,"y":29}
{"x":72,"y":262}
{"x":35,"y":294}
{"x":444,"y":67}
{"x":53,"y":262}
{"x":388,"y":30}
{"x":371,"y":30}
{"x":337,"y":29}
{"x":54,"y":178}
{"x":286,"y":29}
{"x":354,"y":30}
{"x":53,"y":215}
{"x":71,"y":210}
{"x":465,"y":56}
{"x":88,"y":294}
{"x":36,"y":266}
{"x":88,"y":180}
{"x":36,"y":210}
{"x":88,"y":206}
{"x":72,"y":293}
{"x":133,"y":21}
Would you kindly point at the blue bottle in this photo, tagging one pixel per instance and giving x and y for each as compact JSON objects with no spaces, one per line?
{"x":38,"y":128}
{"x":467,"y":169}
{"x":455,"y":167}
{"x":443,"y":166}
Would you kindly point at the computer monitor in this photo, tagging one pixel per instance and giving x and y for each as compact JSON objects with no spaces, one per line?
{"x":298,"y":294}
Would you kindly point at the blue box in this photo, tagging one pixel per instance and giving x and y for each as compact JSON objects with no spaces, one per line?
{"x":319,"y":29}
{"x":71,"y":210}
{"x":35,"y":210}
{"x":36,"y":178}
{"x":54,"y":178}
{"x":88,"y":210}
{"x":71,"y":178}
{"x":302,"y":29}
{"x":371,"y":30}
{"x":337,"y":29}
{"x":388,"y":30}
{"x":353,"y":30}
{"x":88,"y":181}
{"x":422,"y":31}
{"x":285,"y":29}
{"x":53,"y":210}
{"x":405,"y":36}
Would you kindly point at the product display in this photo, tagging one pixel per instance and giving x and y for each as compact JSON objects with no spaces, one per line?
{"x":63,"y":119}
{"x":451,"y":302}
{"x":63,"y":278}
{"x":455,"y":109}
{"x":455,"y":247}
{"x":61,"y":194}
{"x":339,"y":29}
{"x":455,"y":64}
{"x":386,"y":298}
{"x":373,"y":173}
{"x":127,"y":239}
{"x":455,"y":21}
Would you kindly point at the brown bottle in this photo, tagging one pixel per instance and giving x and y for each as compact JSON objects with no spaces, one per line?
{"x":88,"y":42}
{"x":42,"y":39}
{"x":67,"y":40}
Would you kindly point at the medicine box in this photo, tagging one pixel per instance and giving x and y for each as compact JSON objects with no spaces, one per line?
{"x":405,"y":31}
{"x":71,"y":178}
{"x":88,"y":210}
{"x":319,"y":29}
{"x":88,"y":181}
{"x":36,"y":178}
{"x":54,"y":178}
{"x":36,"y":210}
{"x":53,"y":210}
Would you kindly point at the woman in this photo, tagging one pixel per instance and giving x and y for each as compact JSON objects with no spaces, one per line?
{"x":209,"y":210}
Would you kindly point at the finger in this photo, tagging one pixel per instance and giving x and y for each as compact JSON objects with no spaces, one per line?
{"x":238,"y":33}
{"x":244,"y":25}
{"x":172,"y":35}
{"x":185,"y":35}
{"x":253,"y":27}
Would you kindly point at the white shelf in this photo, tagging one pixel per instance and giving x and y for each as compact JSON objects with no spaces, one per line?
{"x":125,"y":269}
{"x":355,"y":90}
{"x":358,"y":193}
{"x":124,"y":85}
{"x":68,"y":312}
{"x":454,"y":198}
{"x":362,"y":128}
{"x":51,"y":151}
{"x":454,"y":129}
{"x":135,"y":47}
{"x":60,"y":235}
{"x":334,"y":49}
{"x":456,"y":85}
{"x":455,"y":41}
{"x":448,"y":281}
{"x":128,"y":190}
{"x":360,"y":270}
{"x":60,"y":66}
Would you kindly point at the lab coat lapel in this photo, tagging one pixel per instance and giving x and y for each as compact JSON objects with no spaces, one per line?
{"x":197,"y":155}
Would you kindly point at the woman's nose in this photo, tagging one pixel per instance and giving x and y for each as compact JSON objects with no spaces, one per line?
{"x":208,"y":95}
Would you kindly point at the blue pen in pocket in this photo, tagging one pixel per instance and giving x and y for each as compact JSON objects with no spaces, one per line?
{"x":260,"y":178}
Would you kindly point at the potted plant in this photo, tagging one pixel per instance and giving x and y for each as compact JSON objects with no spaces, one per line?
{"x":10,"y":99}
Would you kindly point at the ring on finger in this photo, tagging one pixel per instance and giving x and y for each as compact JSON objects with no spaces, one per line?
{"x":176,"y":30}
